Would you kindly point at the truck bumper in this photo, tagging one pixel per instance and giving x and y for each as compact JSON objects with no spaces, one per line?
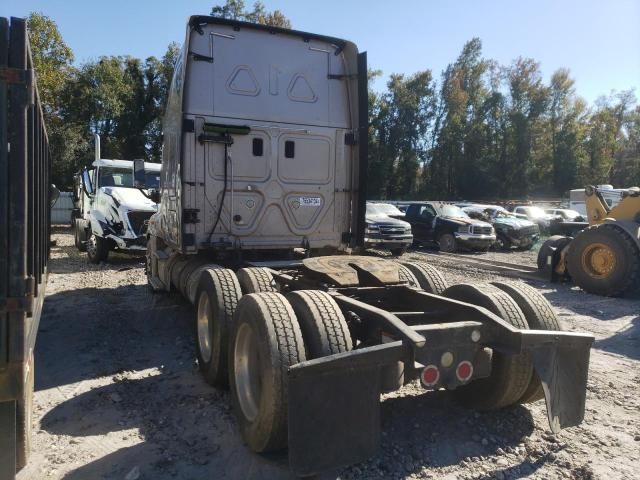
{"x":475,"y":241}
{"x":391,"y":242}
{"x":334,"y":402}
{"x":138,"y":244}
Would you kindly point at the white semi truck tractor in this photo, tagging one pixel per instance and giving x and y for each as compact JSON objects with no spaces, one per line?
{"x":112,"y":211}
{"x":261,"y":225}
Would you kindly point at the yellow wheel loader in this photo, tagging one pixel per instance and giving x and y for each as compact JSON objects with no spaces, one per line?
{"x":604,"y":258}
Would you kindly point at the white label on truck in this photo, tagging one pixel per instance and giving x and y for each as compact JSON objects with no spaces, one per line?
{"x":310,"y":201}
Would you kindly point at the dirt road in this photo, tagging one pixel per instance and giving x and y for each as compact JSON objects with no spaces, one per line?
{"x":118,"y":397}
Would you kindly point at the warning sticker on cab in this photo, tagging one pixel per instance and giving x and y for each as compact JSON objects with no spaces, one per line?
{"x":310,"y":201}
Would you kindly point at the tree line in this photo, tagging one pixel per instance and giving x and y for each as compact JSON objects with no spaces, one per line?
{"x":489,"y":131}
{"x":480,"y":130}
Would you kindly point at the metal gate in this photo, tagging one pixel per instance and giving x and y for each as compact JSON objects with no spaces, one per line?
{"x":24,"y":238}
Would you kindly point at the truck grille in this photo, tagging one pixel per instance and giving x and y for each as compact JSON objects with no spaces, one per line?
{"x":530,"y":230}
{"x":139,"y":221}
{"x":480,"y":230}
{"x":392,"y":230}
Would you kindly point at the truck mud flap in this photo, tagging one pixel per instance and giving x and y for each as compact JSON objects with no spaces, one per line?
{"x":562,"y":364}
{"x":334,"y":408}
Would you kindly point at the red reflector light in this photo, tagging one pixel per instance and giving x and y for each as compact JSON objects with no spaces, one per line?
{"x":464,"y":371}
{"x":430,"y":375}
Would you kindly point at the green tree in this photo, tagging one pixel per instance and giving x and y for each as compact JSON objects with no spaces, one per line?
{"x":457,"y":157}
{"x":236,"y":10}
{"x":400,"y":119}
{"x":52,"y":59}
{"x":529,"y":99}
{"x":606,"y":136}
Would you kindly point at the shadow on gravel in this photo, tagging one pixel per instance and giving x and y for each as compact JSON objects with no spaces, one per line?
{"x":186,"y":427}
{"x":431,"y":429}
{"x":188,"y":431}
{"x":90,"y":332}
{"x":625,"y":342}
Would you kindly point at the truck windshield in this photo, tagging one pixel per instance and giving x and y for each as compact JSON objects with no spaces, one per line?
{"x":123,"y":177}
{"x":374,"y":210}
{"x":503,"y":214}
{"x":534,"y":212}
{"x":453,"y":211}
{"x":387,"y":209}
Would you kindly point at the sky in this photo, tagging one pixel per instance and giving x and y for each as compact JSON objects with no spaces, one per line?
{"x":598,"y":40}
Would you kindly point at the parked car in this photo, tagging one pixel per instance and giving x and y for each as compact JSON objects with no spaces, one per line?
{"x":566,"y":214}
{"x":386,"y":232}
{"x":511,"y":231}
{"x":448,"y":226}
{"x":536,"y":215}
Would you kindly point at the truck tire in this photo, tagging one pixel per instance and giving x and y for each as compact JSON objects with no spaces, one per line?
{"x":503,"y":242}
{"x":97,"y":248}
{"x":266,"y":340}
{"x":24,"y":416}
{"x":80,"y":235}
{"x":604,"y":260}
{"x":540,"y":316}
{"x":548,"y":247}
{"x":216,"y":301}
{"x":510,"y":374}
{"x":256,"y":280}
{"x":192,"y":265}
{"x":176,"y":271}
{"x":447,"y":243}
{"x":429,"y":278}
{"x":194,"y":279}
{"x":406,"y":276}
{"x":324,"y":329}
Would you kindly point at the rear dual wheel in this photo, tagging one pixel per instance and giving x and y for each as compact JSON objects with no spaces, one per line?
{"x":425,"y":276}
{"x":256,"y":280}
{"x":271,"y":333}
{"x":217,"y":298}
{"x":540,"y":316}
{"x":510,"y":374}
{"x":513,"y":379}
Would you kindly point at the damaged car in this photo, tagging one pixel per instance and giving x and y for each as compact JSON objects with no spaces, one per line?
{"x":449,"y":227}
{"x":511,"y":231}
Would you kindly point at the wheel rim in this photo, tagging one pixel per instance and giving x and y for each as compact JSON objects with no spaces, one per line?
{"x":246,"y":361}
{"x":91,"y":245}
{"x":203,"y":327}
{"x":446,"y":243}
{"x":598,"y":260}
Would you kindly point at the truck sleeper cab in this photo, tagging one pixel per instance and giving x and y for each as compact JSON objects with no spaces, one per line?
{"x":264,"y":169}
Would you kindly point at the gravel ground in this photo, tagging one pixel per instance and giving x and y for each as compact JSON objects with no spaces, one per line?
{"x":117,"y":395}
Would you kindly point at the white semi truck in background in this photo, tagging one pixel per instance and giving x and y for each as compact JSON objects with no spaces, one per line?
{"x":261,"y":218}
{"x":111,"y":212}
